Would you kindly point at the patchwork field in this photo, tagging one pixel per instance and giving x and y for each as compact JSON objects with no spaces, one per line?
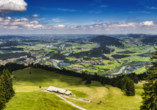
{"x":112,"y":97}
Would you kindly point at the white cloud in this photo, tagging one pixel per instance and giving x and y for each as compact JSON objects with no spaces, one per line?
{"x":35,"y":15}
{"x":61,"y":25}
{"x":23,"y":23}
{"x":13,"y":5}
{"x":11,"y":24}
{"x":148,"y":23}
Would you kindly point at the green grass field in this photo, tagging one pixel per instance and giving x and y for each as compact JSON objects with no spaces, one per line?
{"x":136,"y":58}
{"x":140,"y":70}
{"x":112,"y":97}
{"x":37,"y":101}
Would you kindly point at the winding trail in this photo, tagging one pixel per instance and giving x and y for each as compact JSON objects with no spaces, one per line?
{"x":120,"y":71}
{"x":71,"y":103}
{"x":62,"y":99}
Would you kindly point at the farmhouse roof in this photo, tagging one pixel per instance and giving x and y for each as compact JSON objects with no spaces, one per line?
{"x":55,"y":89}
{"x":68,"y":92}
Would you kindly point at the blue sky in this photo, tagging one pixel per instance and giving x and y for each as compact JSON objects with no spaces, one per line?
{"x":78,"y":16}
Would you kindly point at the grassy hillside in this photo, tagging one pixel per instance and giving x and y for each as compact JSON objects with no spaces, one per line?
{"x":112,"y":97}
{"x":37,"y":101}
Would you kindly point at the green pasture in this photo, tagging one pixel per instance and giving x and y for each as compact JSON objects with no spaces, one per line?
{"x":37,"y":101}
{"x":112,"y":97}
{"x":136,"y":58}
{"x":71,"y":58}
{"x":140,"y":70}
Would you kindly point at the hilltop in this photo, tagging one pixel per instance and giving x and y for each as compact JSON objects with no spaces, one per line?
{"x":107,"y":41}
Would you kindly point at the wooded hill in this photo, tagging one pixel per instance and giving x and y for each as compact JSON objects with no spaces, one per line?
{"x":150,"y":40}
{"x":106,"y":40}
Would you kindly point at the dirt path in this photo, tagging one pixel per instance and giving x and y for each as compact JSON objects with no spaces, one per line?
{"x":83,"y":100}
{"x":71,"y":103}
{"x":61,"y":98}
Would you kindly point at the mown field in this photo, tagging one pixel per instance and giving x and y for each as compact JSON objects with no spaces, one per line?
{"x":112,"y":97}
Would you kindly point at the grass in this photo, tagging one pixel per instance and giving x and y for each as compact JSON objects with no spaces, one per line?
{"x":40,"y":77}
{"x":37,"y":101}
{"x":71,"y":58}
{"x":80,"y":94}
{"x":136,"y":58}
{"x":112,"y":97}
{"x":140,"y":70}
{"x":92,"y":70}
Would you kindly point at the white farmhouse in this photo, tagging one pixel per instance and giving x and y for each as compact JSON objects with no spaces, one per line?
{"x":59,"y":90}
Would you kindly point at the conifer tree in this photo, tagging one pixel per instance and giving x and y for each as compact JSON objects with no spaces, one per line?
{"x":7,"y":85}
{"x":10,"y":90}
{"x":2,"y":93}
{"x":150,"y":87}
{"x":123,"y":82}
{"x":95,"y":76}
{"x":85,"y":77}
{"x":88,"y":79}
{"x":130,"y":89}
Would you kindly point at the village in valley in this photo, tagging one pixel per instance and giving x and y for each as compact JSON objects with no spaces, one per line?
{"x":77,"y":55}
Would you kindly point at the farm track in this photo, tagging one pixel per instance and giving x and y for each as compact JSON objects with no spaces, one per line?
{"x":62,"y":99}
{"x":71,"y":103}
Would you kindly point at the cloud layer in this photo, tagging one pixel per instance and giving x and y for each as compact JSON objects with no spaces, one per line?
{"x":15,"y":25}
{"x":13,"y":5}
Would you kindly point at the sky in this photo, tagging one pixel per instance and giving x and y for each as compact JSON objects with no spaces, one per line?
{"x":78,"y":16}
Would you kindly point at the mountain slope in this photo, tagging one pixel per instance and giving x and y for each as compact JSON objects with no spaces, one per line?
{"x":106,"y":40}
{"x":150,"y":40}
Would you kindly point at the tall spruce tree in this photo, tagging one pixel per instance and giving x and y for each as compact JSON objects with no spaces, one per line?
{"x":7,"y":85}
{"x":130,"y":89}
{"x":85,"y":77}
{"x":150,"y":87}
{"x":88,"y":79}
{"x":2,"y":93}
{"x":10,"y":89}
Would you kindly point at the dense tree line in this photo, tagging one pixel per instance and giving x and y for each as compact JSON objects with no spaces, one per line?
{"x":12,"y":67}
{"x":13,"y":55}
{"x":6,"y":88}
